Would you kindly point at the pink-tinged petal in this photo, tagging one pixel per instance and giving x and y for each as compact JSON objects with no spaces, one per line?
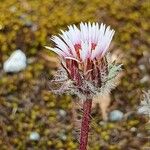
{"x":96,"y":33}
{"x":84,"y":51}
{"x":61,"y":45}
{"x":101,"y":33}
{"x":78,"y":35}
{"x":90,"y":32}
{"x":108,"y":43}
{"x":89,"y":49}
{"x":84,"y":31}
{"x":57,"y":51}
{"x":105,"y":44}
{"x":69,"y":43}
{"x":71,"y":35}
{"x":93,"y":33}
{"x":74,"y":34}
{"x":106,"y":39}
{"x":97,"y":51}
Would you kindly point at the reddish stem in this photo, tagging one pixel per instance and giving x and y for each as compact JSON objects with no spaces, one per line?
{"x":85,"y":124}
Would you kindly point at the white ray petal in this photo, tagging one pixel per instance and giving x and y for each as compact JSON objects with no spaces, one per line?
{"x":93,"y":33}
{"x":82,"y":31}
{"x":89,"y":31}
{"x":86,"y":32}
{"x":74,"y":33}
{"x":65,"y":37}
{"x":61,"y":45}
{"x":108,"y":42}
{"x":78,"y":35}
{"x":105,"y":38}
{"x":105,"y":44}
{"x":96,"y":33}
{"x":71,"y":34}
{"x":101,"y":32}
{"x":84,"y":51}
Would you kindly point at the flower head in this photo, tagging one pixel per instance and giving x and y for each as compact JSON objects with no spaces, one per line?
{"x":83,"y":48}
{"x":89,"y":42}
{"x":83,"y":54}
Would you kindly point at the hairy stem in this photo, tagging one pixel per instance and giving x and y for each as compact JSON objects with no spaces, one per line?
{"x":85,"y":124}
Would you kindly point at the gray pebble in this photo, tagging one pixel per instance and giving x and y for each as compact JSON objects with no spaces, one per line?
{"x":34,"y":136}
{"x":116,"y":115}
{"x":62,"y":113}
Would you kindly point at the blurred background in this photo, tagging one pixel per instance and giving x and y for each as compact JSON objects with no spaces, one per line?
{"x":31,"y":117}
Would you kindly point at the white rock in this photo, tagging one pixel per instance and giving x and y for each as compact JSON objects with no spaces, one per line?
{"x":16,"y":62}
{"x":62,"y":113}
{"x":142,"y":67}
{"x":62,"y":136}
{"x":34,"y":136}
{"x":116,"y":115}
{"x":133,"y":129}
{"x":143,"y":110}
{"x":145,"y":79}
{"x":103,"y":123}
{"x":140,"y":135}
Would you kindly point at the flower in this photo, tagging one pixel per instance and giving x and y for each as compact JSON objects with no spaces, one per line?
{"x":82,"y":51}
{"x":86,"y":70}
{"x":89,"y":42}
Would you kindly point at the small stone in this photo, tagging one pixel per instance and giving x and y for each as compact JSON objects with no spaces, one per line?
{"x":143,"y":110}
{"x":15,"y":63}
{"x":62,"y":113}
{"x":133,"y":129}
{"x":13,"y":9}
{"x":102,"y":123}
{"x":34,"y":136}
{"x":145,"y":79}
{"x":62,"y":135}
{"x":116,"y":115}
{"x":142,"y":67}
{"x":140,"y":135}
{"x":28,"y":23}
{"x":34,"y":27}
